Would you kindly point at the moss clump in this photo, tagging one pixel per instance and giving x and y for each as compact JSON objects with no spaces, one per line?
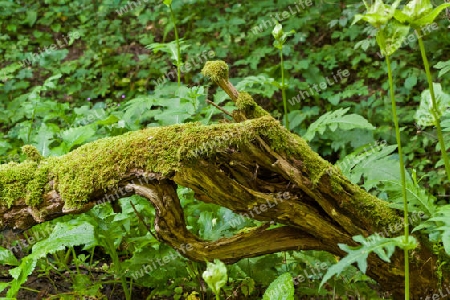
{"x":32,"y":153}
{"x":216,"y":70}
{"x":14,"y":178}
{"x":250,"y":108}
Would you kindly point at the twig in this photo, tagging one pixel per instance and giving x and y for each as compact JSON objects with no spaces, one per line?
{"x":219,"y":108}
{"x":142,"y":220}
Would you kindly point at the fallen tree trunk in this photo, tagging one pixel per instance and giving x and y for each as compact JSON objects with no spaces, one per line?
{"x":254,"y":167}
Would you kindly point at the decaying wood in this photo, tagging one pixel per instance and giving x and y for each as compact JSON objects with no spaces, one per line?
{"x":319,"y":207}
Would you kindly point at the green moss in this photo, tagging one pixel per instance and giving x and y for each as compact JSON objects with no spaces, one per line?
{"x":216,"y":70}
{"x":379,"y":211}
{"x":252,"y":110}
{"x":14,"y":178}
{"x":101,"y":164}
{"x":32,"y":153}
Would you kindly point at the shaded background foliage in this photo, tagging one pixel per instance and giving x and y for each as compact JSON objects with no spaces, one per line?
{"x":103,"y":83}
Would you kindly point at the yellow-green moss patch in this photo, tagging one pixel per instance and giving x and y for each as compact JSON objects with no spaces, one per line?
{"x":216,"y":70}
{"x":32,"y":153}
{"x":251,"y":109}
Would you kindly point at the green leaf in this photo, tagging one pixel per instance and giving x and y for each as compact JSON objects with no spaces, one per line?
{"x":429,"y":18}
{"x":337,"y":119}
{"x":416,"y":9}
{"x":424,"y":115}
{"x":63,"y":235}
{"x":377,"y":14}
{"x":444,"y":67}
{"x":31,"y":17}
{"x":77,"y":135}
{"x":7,"y":257}
{"x":170,"y":48}
{"x":281,"y":288}
{"x":383,"y":247}
{"x":43,"y":139}
{"x":410,"y":82}
{"x":438,"y":226}
{"x":247,"y":286}
{"x":391,"y":37}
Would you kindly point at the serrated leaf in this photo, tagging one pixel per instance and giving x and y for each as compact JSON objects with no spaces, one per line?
{"x":438,"y":227}
{"x":63,"y":235}
{"x":335,"y":119}
{"x":383,"y":247}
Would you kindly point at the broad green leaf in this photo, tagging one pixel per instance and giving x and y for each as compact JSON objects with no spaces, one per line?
{"x":280,"y":289}
{"x":424,"y":115}
{"x":77,"y":135}
{"x":170,"y":48}
{"x":429,"y":18}
{"x":31,"y":17}
{"x":3,"y":286}
{"x":416,"y":9}
{"x":410,"y":82}
{"x":444,"y":67}
{"x":7,"y":257}
{"x":63,"y":235}
{"x":43,"y":139}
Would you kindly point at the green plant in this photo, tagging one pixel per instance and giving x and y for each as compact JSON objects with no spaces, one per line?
{"x":420,"y":14}
{"x":281,"y":288}
{"x":216,"y":276}
{"x":280,"y":39}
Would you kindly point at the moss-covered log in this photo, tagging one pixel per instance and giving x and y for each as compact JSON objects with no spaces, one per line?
{"x":244,"y":166}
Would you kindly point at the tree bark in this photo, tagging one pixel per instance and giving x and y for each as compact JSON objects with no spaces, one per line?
{"x":253,"y":166}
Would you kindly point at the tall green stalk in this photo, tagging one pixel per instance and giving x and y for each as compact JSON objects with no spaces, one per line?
{"x":402,"y":173}
{"x":178,"y":44}
{"x":283,"y":91}
{"x":280,"y":38}
{"x":434,"y":109}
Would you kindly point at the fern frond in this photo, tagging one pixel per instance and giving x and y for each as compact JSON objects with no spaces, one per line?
{"x":337,"y":119}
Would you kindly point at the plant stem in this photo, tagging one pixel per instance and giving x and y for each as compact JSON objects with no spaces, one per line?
{"x":434,"y":110}
{"x":402,"y":173}
{"x":178,"y":45}
{"x":118,"y":267}
{"x":283,"y":91}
